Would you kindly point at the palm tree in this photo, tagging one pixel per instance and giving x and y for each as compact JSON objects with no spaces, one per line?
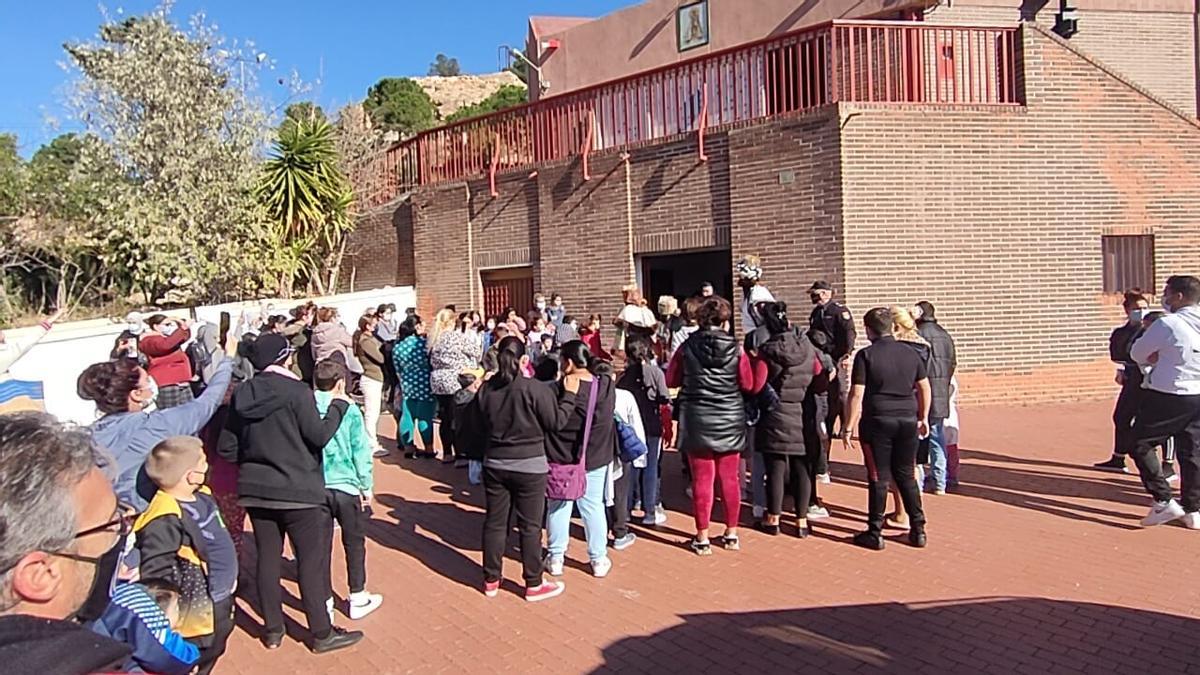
{"x":308,"y":199}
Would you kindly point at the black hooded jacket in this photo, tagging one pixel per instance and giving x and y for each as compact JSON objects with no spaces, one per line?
{"x":789,"y":357}
{"x":276,"y":436}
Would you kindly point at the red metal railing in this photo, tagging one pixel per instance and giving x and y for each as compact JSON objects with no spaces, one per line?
{"x":886,"y":62}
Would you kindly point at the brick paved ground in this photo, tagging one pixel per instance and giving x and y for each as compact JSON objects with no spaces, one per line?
{"x":1036,"y":565}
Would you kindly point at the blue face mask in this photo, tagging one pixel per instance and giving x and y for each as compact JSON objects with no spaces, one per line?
{"x":1136,"y":315}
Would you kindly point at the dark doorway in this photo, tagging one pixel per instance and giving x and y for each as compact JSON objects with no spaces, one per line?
{"x":682,"y":274}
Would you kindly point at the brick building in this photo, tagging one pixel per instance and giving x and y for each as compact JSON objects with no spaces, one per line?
{"x":1015,"y":179}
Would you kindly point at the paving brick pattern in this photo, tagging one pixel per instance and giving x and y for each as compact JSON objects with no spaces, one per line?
{"x":1036,"y":565}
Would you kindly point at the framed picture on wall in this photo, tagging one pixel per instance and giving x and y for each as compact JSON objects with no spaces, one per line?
{"x":691,"y":25}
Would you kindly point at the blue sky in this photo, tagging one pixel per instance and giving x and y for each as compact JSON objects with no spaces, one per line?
{"x":349,"y":44}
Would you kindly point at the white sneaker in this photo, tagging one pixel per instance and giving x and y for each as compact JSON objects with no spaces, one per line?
{"x":1162,"y":512}
{"x":817,"y":513}
{"x":381,"y":452}
{"x":660,"y":515}
{"x":1173,"y":478}
{"x":362,"y":604}
{"x":1192,"y":520}
{"x":824,"y":478}
{"x":554,"y":565}
{"x":601,"y":567}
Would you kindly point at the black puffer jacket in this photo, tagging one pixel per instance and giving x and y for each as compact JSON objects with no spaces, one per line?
{"x":789,"y":358}
{"x":942,"y":362}
{"x":712,"y":416}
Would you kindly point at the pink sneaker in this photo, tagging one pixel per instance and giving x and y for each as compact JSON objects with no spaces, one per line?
{"x":491,"y":588}
{"x":547,"y":590}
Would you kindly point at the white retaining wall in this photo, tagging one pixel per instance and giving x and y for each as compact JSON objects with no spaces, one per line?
{"x":69,"y":348}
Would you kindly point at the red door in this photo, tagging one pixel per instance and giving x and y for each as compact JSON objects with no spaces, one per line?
{"x":512,"y":287}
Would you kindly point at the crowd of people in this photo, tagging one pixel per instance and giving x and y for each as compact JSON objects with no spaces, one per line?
{"x":121,"y":544}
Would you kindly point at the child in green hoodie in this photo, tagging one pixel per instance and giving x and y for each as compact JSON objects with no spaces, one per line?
{"x":348,"y":482}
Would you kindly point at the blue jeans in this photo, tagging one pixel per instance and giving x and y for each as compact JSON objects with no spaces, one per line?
{"x":645,"y":481}
{"x":591,"y":510}
{"x":758,"y":479}
{"x":937,"y":456}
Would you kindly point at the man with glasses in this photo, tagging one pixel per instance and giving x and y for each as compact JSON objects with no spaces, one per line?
{"x":62,"y":534}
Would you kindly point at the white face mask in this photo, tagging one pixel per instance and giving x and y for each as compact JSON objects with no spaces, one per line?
{"x":168,"y":329}
{"x":1167,"y":306}
{"x":541,"y":305}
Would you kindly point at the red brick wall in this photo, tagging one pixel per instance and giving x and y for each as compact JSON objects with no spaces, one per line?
{"x":997,"y":217}
{"x":379,"y":251}
{"x":787,"y":203}
{"x":443,"y":276}
{"x":993,"y":215}
{"x":1154,"y":48}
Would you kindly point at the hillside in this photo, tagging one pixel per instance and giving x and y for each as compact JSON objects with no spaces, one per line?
{"x":451,"y":93}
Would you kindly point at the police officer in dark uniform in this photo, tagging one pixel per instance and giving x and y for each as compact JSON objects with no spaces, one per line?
{"x":1129,"y":376}
{"x":834,"y":320}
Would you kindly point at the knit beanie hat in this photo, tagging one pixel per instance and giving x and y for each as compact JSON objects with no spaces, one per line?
{"x":172,"y":458}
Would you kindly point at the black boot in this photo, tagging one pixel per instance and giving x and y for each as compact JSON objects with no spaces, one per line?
{"x":916,"y":536}
{"x":869,"y":540}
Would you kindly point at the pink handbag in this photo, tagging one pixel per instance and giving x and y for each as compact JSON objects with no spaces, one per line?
{"x":568,"y":482}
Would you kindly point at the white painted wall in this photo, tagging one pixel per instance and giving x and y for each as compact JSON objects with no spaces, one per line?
{"x":69,"y":348}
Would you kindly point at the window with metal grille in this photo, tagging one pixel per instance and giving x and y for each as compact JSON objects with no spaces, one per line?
{"x":1128,"y":262}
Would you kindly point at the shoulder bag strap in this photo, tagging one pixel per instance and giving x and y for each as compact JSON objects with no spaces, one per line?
{"x":587,"y":421}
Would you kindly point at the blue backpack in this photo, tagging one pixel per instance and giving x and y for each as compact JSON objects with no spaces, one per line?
{"x":631,"y":446}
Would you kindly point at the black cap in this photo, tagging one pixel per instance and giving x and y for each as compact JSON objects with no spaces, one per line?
{"x":820,"y":285}
{"x":268,"y":350}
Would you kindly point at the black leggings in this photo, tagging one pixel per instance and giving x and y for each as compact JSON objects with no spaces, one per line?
{"x":446,"y":424}
{"x":780,"y":470}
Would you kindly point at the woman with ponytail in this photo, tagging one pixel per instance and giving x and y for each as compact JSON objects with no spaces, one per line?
{"x":566,"y":447}
{"x":519,"y":414}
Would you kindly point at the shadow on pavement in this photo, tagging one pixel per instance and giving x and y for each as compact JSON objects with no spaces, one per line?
{"x":1015,"y":482}
{"x":957,"y":636}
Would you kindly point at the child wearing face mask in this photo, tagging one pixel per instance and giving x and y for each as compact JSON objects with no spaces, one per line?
{"x":181,"y":539}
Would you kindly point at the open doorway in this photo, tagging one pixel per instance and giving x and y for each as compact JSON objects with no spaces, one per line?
{"x":682,"y":274}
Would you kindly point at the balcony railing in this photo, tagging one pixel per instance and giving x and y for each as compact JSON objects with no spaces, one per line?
{"x":884,"y":62}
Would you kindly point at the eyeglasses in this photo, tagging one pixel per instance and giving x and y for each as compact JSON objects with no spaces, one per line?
{"x":122,"y":519}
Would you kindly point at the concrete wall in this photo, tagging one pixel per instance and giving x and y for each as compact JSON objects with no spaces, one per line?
{"x":69,"y":348}
{"x":1151,"y":41}
{"x":644,"y":37}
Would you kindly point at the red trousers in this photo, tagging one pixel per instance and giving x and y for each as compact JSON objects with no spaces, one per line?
{"x":707,"y":465}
